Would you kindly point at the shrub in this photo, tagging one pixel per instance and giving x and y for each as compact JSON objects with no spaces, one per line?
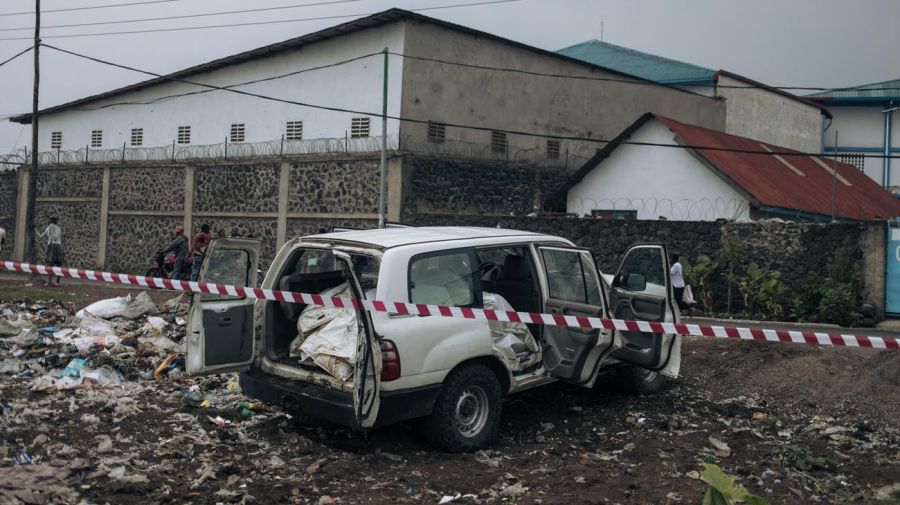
{"x":698,"y":275}
{"x":762,"y":291}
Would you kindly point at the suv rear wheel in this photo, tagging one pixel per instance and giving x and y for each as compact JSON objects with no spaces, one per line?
{"x":466,"y":414}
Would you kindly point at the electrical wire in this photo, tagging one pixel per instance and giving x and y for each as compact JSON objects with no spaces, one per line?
{"x":20,"y":53}
{"x":69,"y":9}
{"x":621,"y":80}
{"x":245,"y":83}
{"x":457,"y":125}
{"x":184,"y":16}
{"x":256,"y":23}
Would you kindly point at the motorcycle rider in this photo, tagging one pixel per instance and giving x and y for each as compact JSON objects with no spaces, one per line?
{"x":180,"y":246}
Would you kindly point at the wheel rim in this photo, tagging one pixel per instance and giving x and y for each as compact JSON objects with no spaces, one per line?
{"x":472,"y":410}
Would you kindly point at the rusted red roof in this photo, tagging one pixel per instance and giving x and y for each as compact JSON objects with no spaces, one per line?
{"x":791,"y":180}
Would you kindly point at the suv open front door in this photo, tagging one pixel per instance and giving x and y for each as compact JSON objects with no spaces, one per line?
{"x":573,"y":285}
{"x":220,"y":329}
{"x":641,"y":290}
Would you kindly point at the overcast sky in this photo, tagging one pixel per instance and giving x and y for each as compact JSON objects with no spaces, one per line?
{"x":827,"y":43}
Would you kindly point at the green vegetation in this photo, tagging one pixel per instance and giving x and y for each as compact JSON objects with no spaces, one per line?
{"x":22,"y":293}
{"x":723,"y":490}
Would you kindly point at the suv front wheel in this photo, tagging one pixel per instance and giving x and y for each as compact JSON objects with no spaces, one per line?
{"x":466,"y":414}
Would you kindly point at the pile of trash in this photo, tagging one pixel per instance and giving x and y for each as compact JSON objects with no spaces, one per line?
{"x":107,"y":343}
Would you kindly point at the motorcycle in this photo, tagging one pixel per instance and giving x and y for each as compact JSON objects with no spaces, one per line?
{"x":163,"y":264}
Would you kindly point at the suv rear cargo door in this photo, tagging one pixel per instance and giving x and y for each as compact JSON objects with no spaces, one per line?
{"x":220,"y":328}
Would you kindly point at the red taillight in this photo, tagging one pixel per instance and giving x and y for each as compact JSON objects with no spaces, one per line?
{"x":390,"y":361}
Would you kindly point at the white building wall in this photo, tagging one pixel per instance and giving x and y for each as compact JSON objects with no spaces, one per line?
{"x":657,"y":182}
{"x":861,"y":129}
{"x":356,"y":86}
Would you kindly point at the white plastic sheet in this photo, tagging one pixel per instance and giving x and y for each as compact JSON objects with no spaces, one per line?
{"x":511,"y":340}
{"x":121,"y":306}
{"x":328,"y":336}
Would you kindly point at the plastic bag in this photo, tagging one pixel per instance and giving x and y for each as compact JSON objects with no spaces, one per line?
{"x":688,"y":296}
{"x":73,"y":369}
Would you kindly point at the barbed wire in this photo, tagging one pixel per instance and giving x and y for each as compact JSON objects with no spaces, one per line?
{"x":675,"y":209}
{"x":407,"y":144}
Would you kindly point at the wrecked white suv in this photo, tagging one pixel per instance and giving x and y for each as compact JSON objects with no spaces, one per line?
{"x":363,"y":369}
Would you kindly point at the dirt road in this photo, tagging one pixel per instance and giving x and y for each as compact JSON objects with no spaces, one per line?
{"x":793,"y":423}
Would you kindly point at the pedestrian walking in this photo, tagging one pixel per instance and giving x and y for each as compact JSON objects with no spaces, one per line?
{"x":198,"y":248}
{"x":677,"y":280}
{"x":54,"y":256}
{"x":180,"y":246}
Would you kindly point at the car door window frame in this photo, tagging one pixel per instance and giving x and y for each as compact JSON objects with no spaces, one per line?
{"x":475,"y":278}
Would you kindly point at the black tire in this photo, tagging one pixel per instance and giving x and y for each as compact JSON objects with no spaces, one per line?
{"x":639,"y":381}
{"x":466,"y":415}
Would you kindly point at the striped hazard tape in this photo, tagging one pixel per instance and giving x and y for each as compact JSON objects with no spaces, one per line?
{"x":737,"y":333}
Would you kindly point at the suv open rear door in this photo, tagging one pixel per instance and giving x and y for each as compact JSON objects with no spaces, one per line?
{"x":570,"y":353}
{"x":220,"y":328}
{"x":641,"y":290}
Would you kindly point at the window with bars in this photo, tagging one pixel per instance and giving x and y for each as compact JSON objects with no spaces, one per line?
{"x":498,"y":142}
{"x":553,"y":149}
{"x":294,"y":130}
{"x":137,"y":137}
{"x":184,"y":135}
{"x":359,"y":127}
{"x":56,"y":140}
{"x":97,"y":138}
{"x":436,"y":133}
{"x":237,"y":132}
{"x":858,"y":160}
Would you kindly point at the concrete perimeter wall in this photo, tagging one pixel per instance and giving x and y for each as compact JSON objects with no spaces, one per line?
{"x":115,"y":217}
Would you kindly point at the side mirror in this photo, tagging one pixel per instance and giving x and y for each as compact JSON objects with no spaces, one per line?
{"x":635,"y":282}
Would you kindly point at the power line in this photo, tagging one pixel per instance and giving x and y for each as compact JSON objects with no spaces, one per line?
{"x":245,"y":83}
{"x":20,"y":53}
{"x":616,"y":79}
{"x":256,"y":23}
{"x":185,"y":16}
{"x":4,"y":14}
{"x":456,"y":125}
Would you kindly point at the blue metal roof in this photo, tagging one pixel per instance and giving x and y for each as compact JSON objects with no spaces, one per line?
{"x":639,"y":64}
{"x":879,"y":91}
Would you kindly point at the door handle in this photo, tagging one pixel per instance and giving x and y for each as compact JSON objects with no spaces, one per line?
{"x":225,"y":321}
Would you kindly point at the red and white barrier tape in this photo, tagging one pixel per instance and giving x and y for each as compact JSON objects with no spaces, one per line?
{"x":737,"y":333}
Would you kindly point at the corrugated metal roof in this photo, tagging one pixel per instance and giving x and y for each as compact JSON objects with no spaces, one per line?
{"x":767,"y":180}
{"x":648,"y":66}
{"x":878,"y":91}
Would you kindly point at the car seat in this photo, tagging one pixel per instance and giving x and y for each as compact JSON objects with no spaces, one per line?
{"x":516,"y":284}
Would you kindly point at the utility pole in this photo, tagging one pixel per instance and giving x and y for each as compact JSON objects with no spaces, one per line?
{"x":382,"y":175}
{"x":834,"y":178}
{"x":32,"y":180}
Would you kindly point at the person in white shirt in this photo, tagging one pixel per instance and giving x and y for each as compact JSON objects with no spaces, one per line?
{"x":2,"y":238}
{"x":677,"y":281}
{"x":54,"y":256}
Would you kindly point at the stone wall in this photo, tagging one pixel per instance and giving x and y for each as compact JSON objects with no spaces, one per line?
{"x":794,"y":249}
{"x":271,"y":200}
{"x":472,"y":187}
{"x":9,"y":185}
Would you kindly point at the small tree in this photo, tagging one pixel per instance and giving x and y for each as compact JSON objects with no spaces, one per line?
{"x":731,"y":253}
{"x":698,"y":275}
